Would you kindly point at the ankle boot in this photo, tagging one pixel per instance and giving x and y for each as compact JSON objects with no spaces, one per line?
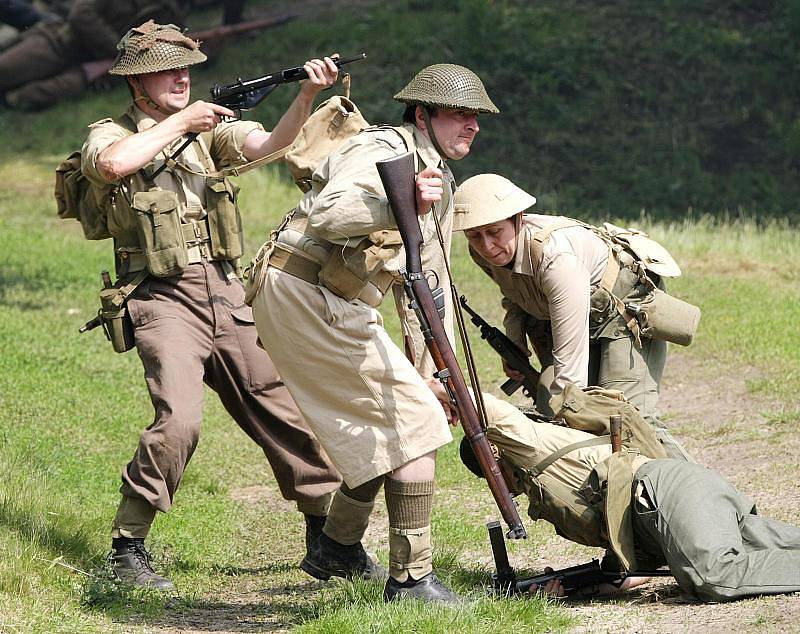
{"x":131,"y":564}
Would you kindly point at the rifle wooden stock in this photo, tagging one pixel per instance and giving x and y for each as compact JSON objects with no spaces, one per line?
{"x":397,"y":175}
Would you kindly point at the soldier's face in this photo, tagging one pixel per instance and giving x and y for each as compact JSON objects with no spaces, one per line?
{"x":455,"y":130}
{"x":170,"y":89}
{"x":496,"y":242}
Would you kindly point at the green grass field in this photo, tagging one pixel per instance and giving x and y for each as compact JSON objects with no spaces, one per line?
{"x":71,"y":410}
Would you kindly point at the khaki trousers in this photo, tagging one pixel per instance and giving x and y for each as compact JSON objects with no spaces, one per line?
{"x":194,"y":328}
{"x":369,"y":407}
{"x":709,"y":534}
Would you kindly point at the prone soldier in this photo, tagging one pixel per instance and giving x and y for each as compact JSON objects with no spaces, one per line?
{"x":647,"y":512}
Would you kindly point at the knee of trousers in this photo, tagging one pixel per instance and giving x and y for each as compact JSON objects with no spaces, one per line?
{"x":170,"y":436}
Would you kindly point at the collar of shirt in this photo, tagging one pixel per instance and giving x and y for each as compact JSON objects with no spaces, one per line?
{"x":430,"y":157}
{"x":144,"y":122}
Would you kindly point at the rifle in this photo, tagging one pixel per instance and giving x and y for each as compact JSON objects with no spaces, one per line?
{"x":245,"y":94}
{"x":505,"y":582}
{"x":226,"y":30}
{"x":509,"y":352}
{"x":397,"y":176}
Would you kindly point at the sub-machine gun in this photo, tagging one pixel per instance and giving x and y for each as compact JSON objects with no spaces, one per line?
{"x":397,"y":175}
{"x":510,"y":353}
{"x":506,"y":583}
{"x":246,"y":94}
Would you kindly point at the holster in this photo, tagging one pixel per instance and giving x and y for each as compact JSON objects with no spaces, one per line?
{"x":115,"y":320}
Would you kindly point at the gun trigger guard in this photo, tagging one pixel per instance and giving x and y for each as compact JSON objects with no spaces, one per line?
{"x":431,"y":273}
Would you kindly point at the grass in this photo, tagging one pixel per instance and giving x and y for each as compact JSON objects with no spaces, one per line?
{"x":71,"y":410}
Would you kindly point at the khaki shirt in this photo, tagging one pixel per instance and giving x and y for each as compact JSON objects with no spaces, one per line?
{"x":223,"y":148}
{"x":555,"y":288}
{"x":347,"y":202}
{"x":524,"y":444}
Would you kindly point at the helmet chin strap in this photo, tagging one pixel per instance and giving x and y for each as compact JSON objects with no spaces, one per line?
{"x":431,"y":134}
{"x":144,"y":97}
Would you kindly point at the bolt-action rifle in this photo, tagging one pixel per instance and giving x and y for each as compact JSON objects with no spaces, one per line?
{"x":505,"y":581}
{"x":397,"y":176}
{"x":246,"y":94}
{"x":509,"y":352}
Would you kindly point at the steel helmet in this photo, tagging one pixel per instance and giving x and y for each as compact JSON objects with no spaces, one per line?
{"x":152,"y":48}
{"x":447,"y":86}
{"x":487,"y":198}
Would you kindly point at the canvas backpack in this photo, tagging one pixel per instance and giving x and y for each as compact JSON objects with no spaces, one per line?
{"x":77,"y":198}
{"x":331,"y":124}
{"x":578,"y":515}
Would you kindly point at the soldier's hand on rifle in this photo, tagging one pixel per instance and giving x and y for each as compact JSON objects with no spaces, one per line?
{"x":203,"y":116}
{"x":511,"y":373}
{"x":429,"y":189}
{"x":442,"y":395}
{"x":322,"y":73}
{"x":552,"y":588}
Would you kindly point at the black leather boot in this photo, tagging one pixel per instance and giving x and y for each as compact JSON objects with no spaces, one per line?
{"x":327,"y":558}
{"x":131,"y":564}
{"x":429,"y":589}
{"x":314,"y":524}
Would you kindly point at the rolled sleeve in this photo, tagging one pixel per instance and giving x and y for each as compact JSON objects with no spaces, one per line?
{"x":101,"y":136}
{"x":227,"y":145}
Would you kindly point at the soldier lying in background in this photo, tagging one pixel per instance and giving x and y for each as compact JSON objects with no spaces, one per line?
{"x":647,"y":512}
{"x":50,"y":62}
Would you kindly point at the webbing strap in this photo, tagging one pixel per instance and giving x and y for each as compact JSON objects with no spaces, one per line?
{"x":230,"y":171}
{"x":556,"y":455}
{"x":610,"y":274}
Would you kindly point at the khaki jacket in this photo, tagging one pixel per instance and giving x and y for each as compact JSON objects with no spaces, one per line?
{"x":347,"y":203}
{"x":223,"y":148}
{"x":556,"y":288}
{"x":589,"y":479}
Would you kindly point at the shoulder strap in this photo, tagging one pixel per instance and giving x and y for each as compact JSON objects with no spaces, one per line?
{"x":542,"y":237}
{"x":556,"y":455}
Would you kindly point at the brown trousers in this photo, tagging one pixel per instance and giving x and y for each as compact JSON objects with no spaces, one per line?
{"x":194,"y":328}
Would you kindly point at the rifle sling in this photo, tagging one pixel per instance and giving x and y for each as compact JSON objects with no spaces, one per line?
{"x":230,"y":171}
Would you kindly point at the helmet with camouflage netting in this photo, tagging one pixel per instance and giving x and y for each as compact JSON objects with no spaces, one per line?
{"x":487,"y":198}
{"x":152,"y":48}
{"x":447,"y":86}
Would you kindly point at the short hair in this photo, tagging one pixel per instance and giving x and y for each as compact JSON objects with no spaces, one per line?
{"x":410,"y":113}
{"x":469,"y":458}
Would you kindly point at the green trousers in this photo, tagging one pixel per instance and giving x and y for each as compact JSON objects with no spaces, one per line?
{"x":710,"y":536}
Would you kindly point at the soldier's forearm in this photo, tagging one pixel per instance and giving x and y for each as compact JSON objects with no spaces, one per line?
{"x":128,"y":155}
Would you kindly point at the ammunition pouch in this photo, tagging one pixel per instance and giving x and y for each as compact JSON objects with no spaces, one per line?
{"x":114,"y":315}
{"x":224,"y":219}
{"x":160,"y":234}
{"x":353,"y":272}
